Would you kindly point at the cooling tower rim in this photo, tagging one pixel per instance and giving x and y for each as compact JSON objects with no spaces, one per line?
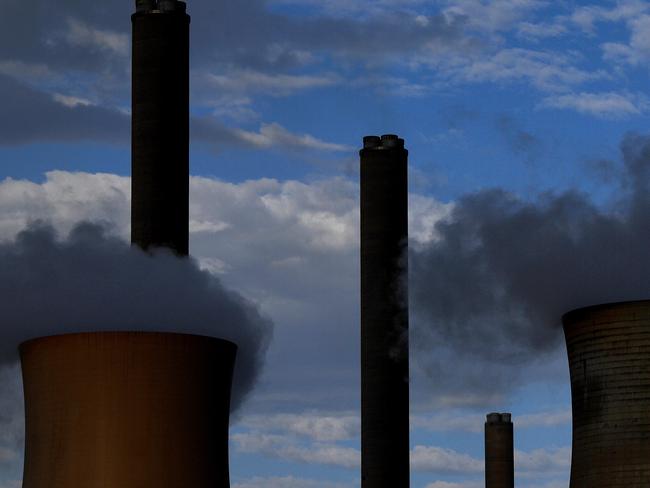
{"x":584,"y":312}
{"x":129,"y":333}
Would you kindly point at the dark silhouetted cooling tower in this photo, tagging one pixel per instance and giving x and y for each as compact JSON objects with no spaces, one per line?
{"x":499,"y":451}
{"x":384,"y":314}
{"x":127,"y":410}
{"x":160,"y":126}
{"x":609,"y":362}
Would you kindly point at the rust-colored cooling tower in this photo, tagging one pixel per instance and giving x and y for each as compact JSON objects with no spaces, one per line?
{"x":384,"y":314}
{"x":127,"y":410}
{"x":609,"y":361}
{"x":499,"y":451}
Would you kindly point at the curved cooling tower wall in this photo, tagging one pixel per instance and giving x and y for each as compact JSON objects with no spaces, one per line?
{"x":609,"y":361}
{"x":127,"y":410}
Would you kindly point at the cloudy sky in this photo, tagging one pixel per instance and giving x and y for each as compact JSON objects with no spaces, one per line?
{"x":526,"y":122}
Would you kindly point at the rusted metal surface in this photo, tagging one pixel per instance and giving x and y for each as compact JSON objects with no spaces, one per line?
{"x":499,"y":451}
{"x":127,"y":410}
{"x":384,"y":314}
{"x":609,"y":360}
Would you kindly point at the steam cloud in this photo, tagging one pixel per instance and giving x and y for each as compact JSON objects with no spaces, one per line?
{"x":490,"y":292}
{"x":92,"y":281}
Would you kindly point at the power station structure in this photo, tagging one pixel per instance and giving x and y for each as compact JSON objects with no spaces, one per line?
{"x":136,"y":409}
{"x":609,"y":362}
{"x":384,"y":313}
{"x":160,"y":125}
{"x":499,"y":451}
{"x":126,"y":409}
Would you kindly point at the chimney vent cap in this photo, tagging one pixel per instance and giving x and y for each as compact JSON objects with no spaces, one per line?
{"x":387,"y":141}
{"x":499,"y":418}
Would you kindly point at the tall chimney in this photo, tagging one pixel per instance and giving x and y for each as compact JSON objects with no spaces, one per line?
{"x":609,"y":363}
{"x":127,"y":410}
{"x":384,"y":314}
{"x":160,"y":126}
{"x":499,"y":451}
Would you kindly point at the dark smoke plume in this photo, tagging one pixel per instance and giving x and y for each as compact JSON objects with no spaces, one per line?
{"x":92,"y":281}
{"x":489,"y":294}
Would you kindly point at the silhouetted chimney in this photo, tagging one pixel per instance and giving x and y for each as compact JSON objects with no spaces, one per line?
{"x":384,"y":314}
{"x":609,"y":362}
{"x":160,"y":126}
{"x":499,"y":451}
{"x":127,"y":410}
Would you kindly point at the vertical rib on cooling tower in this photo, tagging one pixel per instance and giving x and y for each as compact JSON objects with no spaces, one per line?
{"x":499,"y":451}
{"x":609,"y":361}
{"x":127,"y":410}
{"x":160,"y":126}
{"x":384,"y":314}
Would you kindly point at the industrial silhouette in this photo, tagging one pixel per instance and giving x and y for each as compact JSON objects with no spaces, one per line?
{"x":609,"y":361}
{"x":160,"y":125}
{"x":134,"y":409}
{"x":384,"y":313}
{"x":499,"y":451}
{"x":126,"y":409}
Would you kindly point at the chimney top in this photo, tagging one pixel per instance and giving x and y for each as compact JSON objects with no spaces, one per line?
{"x":160,"y":6}
{"x":499,"y":418}
{"x":386,"y":141}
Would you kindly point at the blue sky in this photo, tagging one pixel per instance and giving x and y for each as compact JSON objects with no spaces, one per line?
{"x":529,"y":96}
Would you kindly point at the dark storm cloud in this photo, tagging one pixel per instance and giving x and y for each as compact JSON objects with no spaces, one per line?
{"x":245,"y":33}
{"x":242,"y":34}
{"x":91,"y":281}
{"x":489,"y":294}
{"x":28,"y":115}
{"x":38,"y":31}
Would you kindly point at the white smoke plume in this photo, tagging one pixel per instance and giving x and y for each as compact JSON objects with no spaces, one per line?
{"x":92,"y":281}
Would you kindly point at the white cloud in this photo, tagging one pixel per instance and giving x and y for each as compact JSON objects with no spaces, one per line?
{"x":536,"y":31}
{"x":320,"y":427}
{"x":545,"y":70}
{"x":287,"y":482}
{"x":605,"y":105}
{"x":285,"y":448}
{"x":81,"y":34}
{"x":71,"y":101}
{"x":25,"y":71}
{"x":494,"y":15}
{"x":553,"y":460}
{"x":449,"y":421}
{"x":12,"y":484}
{"x":65,"y":199}
{"x":274,"y":135}
{"x":543,"y":419}
{"x":447,"y":484}
{"x":249,"y":81}
{"x":444,"y":461}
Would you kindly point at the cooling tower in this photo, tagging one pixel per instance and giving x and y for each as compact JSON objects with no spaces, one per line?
{"x":160,"y":126}
{"x":127,"y":410}
{"x":499,"y":451}
{"x":609,"y":362}
{"x":384,"y":314}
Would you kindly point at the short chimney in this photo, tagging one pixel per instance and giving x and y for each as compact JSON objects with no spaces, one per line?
{"x":499,"y":451}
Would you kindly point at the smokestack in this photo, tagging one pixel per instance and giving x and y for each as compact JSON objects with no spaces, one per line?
{"x":160,"y":126}
{"x":499,"y":451}
{"x":384,"y":314}
{"x":609,"y":363}
{"x":127,"y":410}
